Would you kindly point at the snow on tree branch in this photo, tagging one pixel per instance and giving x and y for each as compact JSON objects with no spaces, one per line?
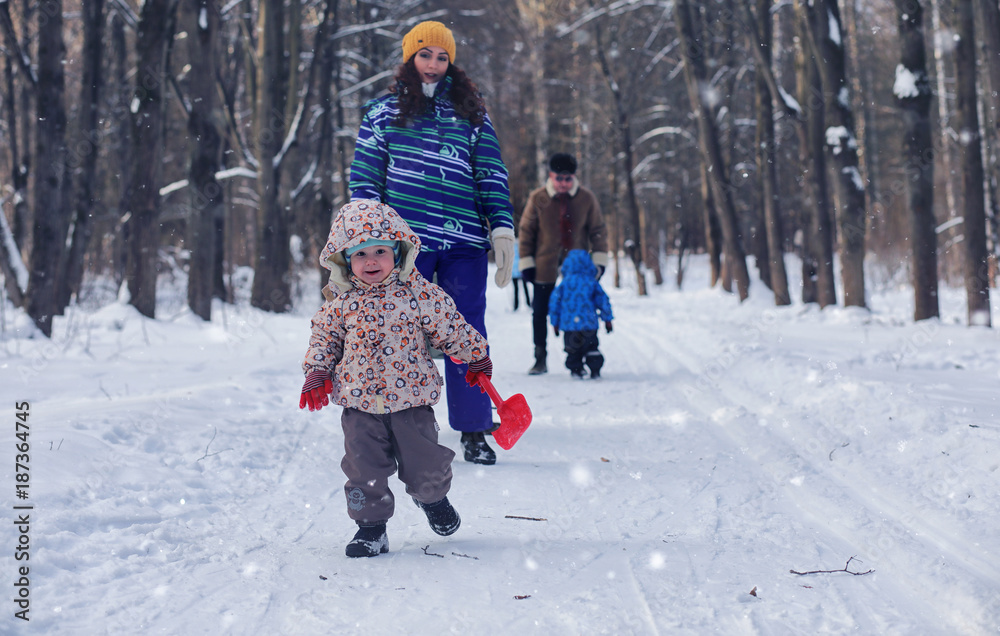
{"x":905,"y":86}
{"x":834,"y":28}
{"x":790,"y":102}
{"x":222,"y":175}
{"x":838,"y":137}
{"x":613,"y":9}
{"x":666,"y":130}
{"x":367,"y":82}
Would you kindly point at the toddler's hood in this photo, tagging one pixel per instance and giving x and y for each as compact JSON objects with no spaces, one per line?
{"x":357,"y":222}
{"x":579,"y":263}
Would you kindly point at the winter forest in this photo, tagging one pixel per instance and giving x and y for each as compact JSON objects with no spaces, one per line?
{"x":209,"y":136}
{"x":795,"y":431}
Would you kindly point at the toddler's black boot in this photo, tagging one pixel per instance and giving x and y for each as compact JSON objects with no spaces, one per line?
{"x":369,"y":541}
{"x":441,"y":516}
{"x":595,"y":360}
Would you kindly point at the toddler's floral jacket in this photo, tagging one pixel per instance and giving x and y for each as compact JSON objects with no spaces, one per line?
{"x":371,"y":338}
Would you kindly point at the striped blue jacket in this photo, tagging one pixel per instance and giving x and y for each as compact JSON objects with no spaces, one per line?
{"x":444,"y":176}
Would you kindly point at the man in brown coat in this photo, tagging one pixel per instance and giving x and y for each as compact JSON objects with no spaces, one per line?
{"x":559,"y":217}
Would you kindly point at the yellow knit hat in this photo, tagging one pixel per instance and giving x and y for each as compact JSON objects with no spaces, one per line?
{"x":426,"y":34}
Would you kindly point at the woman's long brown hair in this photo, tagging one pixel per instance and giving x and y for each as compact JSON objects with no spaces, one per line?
{"x":465,"y":96}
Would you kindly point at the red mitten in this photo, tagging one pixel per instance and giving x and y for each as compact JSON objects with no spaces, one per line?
{"x":315,"y":390}
{"x":484,"y":366}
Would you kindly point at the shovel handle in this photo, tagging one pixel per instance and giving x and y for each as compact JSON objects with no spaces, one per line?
{"x":487,"y":387}
{"x":483,"y":380}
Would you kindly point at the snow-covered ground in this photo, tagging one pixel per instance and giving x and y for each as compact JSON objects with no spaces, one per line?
{"x":176,"y":488}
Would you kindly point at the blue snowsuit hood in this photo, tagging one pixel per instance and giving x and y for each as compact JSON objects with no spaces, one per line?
{"x":578,"y":263}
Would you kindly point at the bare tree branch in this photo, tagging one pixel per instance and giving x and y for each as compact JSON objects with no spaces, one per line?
{"x":426,"y":547}
{"x":844,"y":569}
{"x":13,"y":46}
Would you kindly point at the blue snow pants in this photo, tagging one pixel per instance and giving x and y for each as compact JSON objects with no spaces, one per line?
{"x":461,"y":273}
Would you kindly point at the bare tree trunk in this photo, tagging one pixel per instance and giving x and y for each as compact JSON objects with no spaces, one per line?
{"x":913,"y":93}
{"x":141,"y":200}
{"x":294,"y":162}
{"x":11,"y":266}
{"x":219,"y":225}
{"x":345,"y":146}
{"x":250,"y":60}
{"x":120,"y":137}
{"x":206,"y":193}
{"x":17,"y":51}
{"x":858,"y":83}
{"x":83,"y":160}
{"x":825,"y":39}
{"x":319,"y":221}
{"x":989,"y":19}
{"x":10,"y":247}
{"x":271,"y":288}
{"x":651,"y":247}
{"x":344,"y":151}
{"x":636,"y":226}
{"x":532,"y":14}
{"x":708,"y":141}
{"x":615,"y":240}
{"x":27,"y":99}
{"x":19,"y":81}
{"x":818,"y":282}
{"x":10,"y":254}
{"x":293,"y":45}
{"x":767,"y":155}
{"x":988,"y":16}
{"x":713,"y":232}
{"x":51,"y":213}
{"x":976,"y":265}
{"x":940,"y":72}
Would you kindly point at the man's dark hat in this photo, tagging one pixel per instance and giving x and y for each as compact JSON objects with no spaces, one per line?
{"x":562,"y":163}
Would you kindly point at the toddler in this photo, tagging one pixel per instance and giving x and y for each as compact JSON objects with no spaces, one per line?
{"x":368,"y":353}
{"x":577,"y":306}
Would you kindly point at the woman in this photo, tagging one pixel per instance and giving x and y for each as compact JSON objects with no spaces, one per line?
{"x":429,"y":150}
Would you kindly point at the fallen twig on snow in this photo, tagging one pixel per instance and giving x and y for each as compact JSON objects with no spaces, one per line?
{"x":846,"y":565}
{"x":465,"y":556}
{"x":215,"y":432}
{"x":841,"y":446}
{"x":441,"y":556}
{"x":524,"y":518}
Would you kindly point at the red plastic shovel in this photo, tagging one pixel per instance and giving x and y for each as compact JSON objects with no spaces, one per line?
{"x":515,"y":416}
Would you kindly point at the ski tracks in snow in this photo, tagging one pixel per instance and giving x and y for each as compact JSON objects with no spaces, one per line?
{"x":790,"y":450}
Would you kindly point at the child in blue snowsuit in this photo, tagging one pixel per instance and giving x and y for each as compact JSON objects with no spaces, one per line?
{"x":577,"y":307}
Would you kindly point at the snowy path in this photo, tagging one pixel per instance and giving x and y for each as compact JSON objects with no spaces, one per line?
{"x":843,"y":503}
{"x":179,"y":490}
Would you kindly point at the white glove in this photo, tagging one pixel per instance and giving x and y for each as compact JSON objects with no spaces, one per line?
{"x":503,"y":251}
